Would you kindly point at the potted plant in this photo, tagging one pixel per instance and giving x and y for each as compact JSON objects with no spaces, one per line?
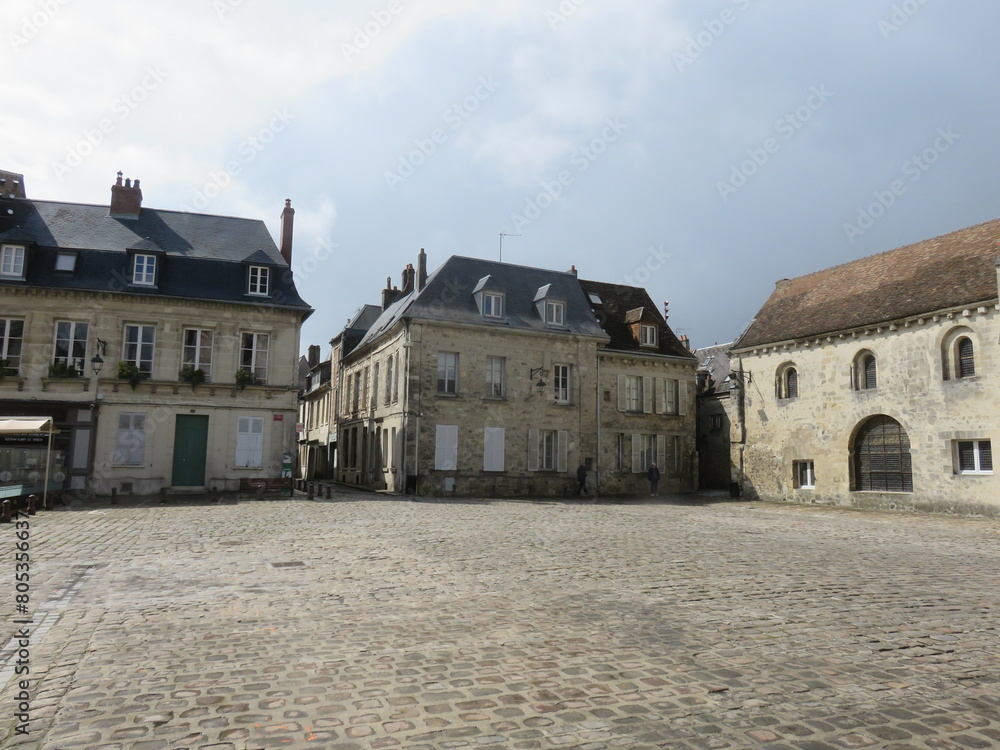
{"x":193,"y":376}
{"x":128,"y":371}
{"x":245,"y":377}
{"x":6,"y":369}
{"x":62,"y":370}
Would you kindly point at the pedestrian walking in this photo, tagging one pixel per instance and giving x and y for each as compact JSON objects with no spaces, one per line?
{"x":581,"y":478}
{"x":654,"y":479}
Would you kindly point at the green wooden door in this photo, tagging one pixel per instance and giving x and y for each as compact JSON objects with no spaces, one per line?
{"x":190,"y":444}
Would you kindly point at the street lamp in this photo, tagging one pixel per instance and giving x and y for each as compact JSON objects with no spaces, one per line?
{"x":97,"y":364}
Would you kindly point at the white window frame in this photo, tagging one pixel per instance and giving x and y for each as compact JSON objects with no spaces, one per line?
{"x":76,"y":336}
{"x":144,"y":269}
{"x":252,"y":354}
{"x":647,"y":448}
{"x":496,"y":377}
{"x":130,"y":440}
{"x":804,"y":474}
{"x":133,"y":350}
{"x":198,"y":355}
{"x":389,"y":362}
{"x":548,"y":450}
{"x":258,"y":281}
{"x":647,"y":335}
{"x":375,"y":374}
{"x":249,"y":443}
{"x":977,"y":456}
{"x":562,"y":383}
{"x":12,"y":263}
{"x":493,"y":305}
{"x":6,"y":338}
{"x":447,"y":373}
{"x":555,"y":313}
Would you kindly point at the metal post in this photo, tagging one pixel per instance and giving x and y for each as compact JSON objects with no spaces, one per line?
{"x":114,"y":496}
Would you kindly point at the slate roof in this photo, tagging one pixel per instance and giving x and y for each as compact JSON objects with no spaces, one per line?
{"x":714,"y":360}
{"x":204,"y":255}
{"x":949,"y":271}
{"x":448,"y":297}
{"x":622,"y":305}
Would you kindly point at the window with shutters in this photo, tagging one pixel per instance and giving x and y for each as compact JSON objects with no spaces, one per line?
{"x":882,"y":460}
{"x":620,"y":451}
{"x":250,"y":443}
{"x":548,"y":450}
{"x":493,"y":448}
{"x":633,"y":393}
{"x":388,"y":378}
{"x":650,"y":449}
{"x":375,"y":369}
{"x":130,"y":440}
{"x":973,"y":457}
{"x":865,"y":371}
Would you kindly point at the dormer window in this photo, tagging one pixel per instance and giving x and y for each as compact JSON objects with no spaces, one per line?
{"x":555,"y":313}
{"x":492,"y":305}
{"x":66,"y":262}
{"x":489,"y":295}
{"x":144,"y":270}
{"x":259,"y":278}
{"x":12,"y":262}
{"x":647,"y":335}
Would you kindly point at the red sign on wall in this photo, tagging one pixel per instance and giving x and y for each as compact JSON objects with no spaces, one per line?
{"x":279,"y":417}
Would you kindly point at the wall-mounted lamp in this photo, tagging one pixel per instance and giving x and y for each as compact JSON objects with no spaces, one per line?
{"x":97,"y":364}
{"x":102,"y":345}
{"x":537,"y":371}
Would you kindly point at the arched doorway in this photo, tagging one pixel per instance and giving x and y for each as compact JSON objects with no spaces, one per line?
{"x":882,"y":457}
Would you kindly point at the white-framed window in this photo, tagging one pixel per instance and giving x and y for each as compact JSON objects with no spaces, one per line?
{"x":805,"y":474}
{"x":548,"y":450}
{"x":447,"y":377}
{"x":250,"y":442}
{"x":139,"y":345}
{"x":365,"y":380}
{"x":671,"y":396}
{"x":12,"y":261}
{"x":70,"y":348}
{"x":555,"y":313}
{"x":620,"y":451}
{"x":11,"y":339}
{"x":973,"y":457}
{"x":253,"y":354}
{"x":395,"y":382}
{"x":635,"y":394}
{"x":259,"y":278}
{"x":647,"y":450}
{"x":496,"y":377}
{"x":446,"y":447}
{"x":198,"y":350}
{"x":388,"y":378}
{"x":492,"y":305}
{"x":562,"y":383}
{"x":65,"y":261}
{"x":493,"y":448}
{"x":375,"y":369}
{"x":144,"y":269}
{"x":130,"y":441}
{"x":647,"y":335}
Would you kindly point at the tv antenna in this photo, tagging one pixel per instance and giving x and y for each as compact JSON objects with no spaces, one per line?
{"x":502,"y":235}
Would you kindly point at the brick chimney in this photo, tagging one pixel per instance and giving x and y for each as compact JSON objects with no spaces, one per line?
{"x":408,"y":274}
{"x":389,"y":294}
{"x":126,"y":200}
{"x":421,"y":270}
{"x":313,"y":357}
{"x":287,"y":220}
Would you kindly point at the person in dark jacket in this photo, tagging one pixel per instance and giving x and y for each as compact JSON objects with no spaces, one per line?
{"x":654,"y":479}
{"x":581,"y":478}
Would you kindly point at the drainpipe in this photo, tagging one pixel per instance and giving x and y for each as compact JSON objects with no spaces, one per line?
{"x":597,"y":397}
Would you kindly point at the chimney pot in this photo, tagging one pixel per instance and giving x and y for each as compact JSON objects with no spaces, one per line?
{"x":285,"y":231}
{"x":126,"y":199}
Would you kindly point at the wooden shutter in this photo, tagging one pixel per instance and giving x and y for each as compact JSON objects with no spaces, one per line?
{"x":682,"y":397}
{"x":636,"y":453}
{"x":493,"y":449}
{"x":622,"y":396}
{"x":647,"y":395}
{"x":249,"y":442}
{"x":446,"y":447}
{"x":532,"y":450}
{"x":562,"y":451}
{"x":661,"y":453}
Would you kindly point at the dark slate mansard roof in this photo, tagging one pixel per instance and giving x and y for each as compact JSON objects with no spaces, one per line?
{"x":950,"y":271}
{"x":202,"y":252}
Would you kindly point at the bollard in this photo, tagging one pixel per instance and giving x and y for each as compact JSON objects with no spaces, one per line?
{"x":32,"y":499}
{"x":47,"y":503}
{"x":310,"y":490}
{"x":5,"y":513}
{"x":329,"y":490}
{"x":163,"y":495}
{"x":260,"y":492}
{"x":114,"y":496}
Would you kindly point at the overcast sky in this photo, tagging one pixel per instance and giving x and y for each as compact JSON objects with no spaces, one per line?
{"x":702,"y":150}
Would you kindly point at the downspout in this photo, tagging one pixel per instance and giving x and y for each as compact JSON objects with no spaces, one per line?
{"x":48,"y":458}
{"x":597,"y":398}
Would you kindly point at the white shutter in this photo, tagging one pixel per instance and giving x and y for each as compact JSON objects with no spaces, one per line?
{"x":532,"y":450}
{"x":671,"y":398}
{"x":661,"y":396}
{"x":647,"y":395}
{"x":621,"y":393}
{"x":446,"y":447}
{"x":636,"y":453}
{"x":130,"y":441}
{"x":682,"y":397}
{"x":563,"y":451}
{"x":493,"y":449}
{"x":249,"y":442}
{"x":661,"y":453}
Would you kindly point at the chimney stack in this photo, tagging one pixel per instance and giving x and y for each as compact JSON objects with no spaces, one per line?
{"x":685,"y":341}
{"x":572,"y":270}
{"x":287,"y":220}
{"x":126,"y":200}
{"x":421,"y":270}
{"x":390,"y":294}
{"x":313,"y":355}
{"x":408,"y":274}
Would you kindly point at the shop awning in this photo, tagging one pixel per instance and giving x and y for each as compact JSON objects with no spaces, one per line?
{"x":26,"y":426}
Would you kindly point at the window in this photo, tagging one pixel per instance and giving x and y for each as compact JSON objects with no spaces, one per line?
{"x":138,"y":347}
{"x":787,"y":385}
{"x":12,"y":261}
{"x":493,"y":448}
{"x":130,"y":442}
{"x":647,"y":335}
{"x":11,"y":338}
{"x":646,"y":450}
{"x":250,"y":442}
{"x":447,"y":372}
{"x":71,"y":346}
{"x":492,"y":305}
{"x":865,"y":372}
{"x":547,"y":450}
{"x":66,"y":262}
{"x":562,"y":384}
{"x":253,"y":354}
{"x":555,"y":313}
{"x":959,"y":354}
{"x":672,"y":397}
{"x":388,"y":379}
{"x":882,"y":460}
{"x":973,"y":457}
{"x":144,"y":269}
{"x":620,"y":451}
{"x":716,"y":423}
{"x":364,"y":388}
{"x":495,"y":377}
{"x":385,"y":450}
{"x":259,"y":276}
{"x":375,"y":385}
{"x":805,"y":474}
{"x":446,"y":447}
{"x":198,"y":350}
{"x":966,"y":357}
{"x":356,"y":392}
{"x":395,"y":383}
{"x":633,"y":392}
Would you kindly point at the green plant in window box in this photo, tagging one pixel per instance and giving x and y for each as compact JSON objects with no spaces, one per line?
{"x":193,"y":376}
{"x":63,"y":370}
{"x":6,"y":369}
{"x":128,"y":371}
{"x":245,"y":377}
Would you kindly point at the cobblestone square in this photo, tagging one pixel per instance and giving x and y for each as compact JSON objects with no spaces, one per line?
{"x":366,"y":622}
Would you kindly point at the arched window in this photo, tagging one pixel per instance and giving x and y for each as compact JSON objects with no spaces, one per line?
{"x":882,"y":457}
{"x":965,"y":355}
{"x":787,"y":382}
{"x":958,"y":354}
{"x":865,"y":371}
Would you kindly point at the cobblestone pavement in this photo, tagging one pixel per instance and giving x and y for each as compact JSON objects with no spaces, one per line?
{"x":384,"y":623}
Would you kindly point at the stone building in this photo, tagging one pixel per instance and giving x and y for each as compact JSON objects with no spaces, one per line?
{"x":715,"y":466}
{"x":873,"y":383}
{"x":163,"y":343}
{"x":488,"y":378}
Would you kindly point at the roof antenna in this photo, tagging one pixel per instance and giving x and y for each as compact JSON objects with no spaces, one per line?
{"x":502,"y":235}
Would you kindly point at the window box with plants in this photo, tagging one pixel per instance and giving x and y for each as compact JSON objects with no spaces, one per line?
{"x":193,"y":376}
{"x":245,"y":377}
{"x":63,"y":370}
{"x":128,"y":371}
